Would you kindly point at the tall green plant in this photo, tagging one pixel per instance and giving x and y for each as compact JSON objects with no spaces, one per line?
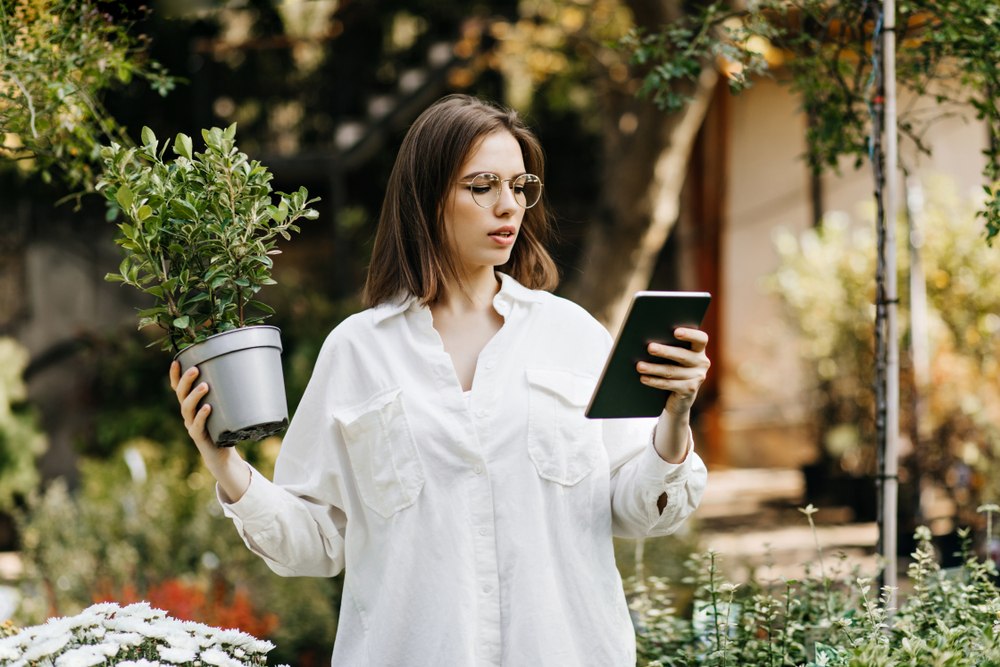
{"x":200,"y":231}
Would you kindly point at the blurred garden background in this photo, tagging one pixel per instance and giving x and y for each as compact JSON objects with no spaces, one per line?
{"x":102,"y":495}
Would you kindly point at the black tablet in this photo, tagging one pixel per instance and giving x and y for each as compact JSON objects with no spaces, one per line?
{"x":652,"y":318}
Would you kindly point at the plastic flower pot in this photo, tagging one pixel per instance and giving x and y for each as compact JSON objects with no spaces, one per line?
{"x":243,"y":370}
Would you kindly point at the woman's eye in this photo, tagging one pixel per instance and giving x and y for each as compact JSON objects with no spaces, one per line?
{"x":518,"y":189}
{"x":480,"y":189}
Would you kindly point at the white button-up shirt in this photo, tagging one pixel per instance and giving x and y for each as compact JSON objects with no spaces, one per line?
{"x":473,"y":530}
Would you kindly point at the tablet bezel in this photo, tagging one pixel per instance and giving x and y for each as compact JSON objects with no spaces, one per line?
{"x":691,"y":315}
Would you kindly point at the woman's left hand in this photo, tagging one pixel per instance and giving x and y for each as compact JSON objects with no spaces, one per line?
{"x":683,"y":379}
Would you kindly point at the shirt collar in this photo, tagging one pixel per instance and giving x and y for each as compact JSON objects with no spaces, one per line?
{"x":509,"y":288}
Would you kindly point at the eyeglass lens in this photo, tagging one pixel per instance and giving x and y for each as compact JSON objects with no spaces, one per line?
{"x":486,"y":188}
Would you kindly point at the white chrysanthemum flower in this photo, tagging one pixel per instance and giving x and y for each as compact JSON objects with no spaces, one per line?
{"x":103,"y":608}
{"x":98,"y":631}
{"x":85,"y":656}
{"x":46,"y":647}
{"x":124,"y":638}
{"x":219,"y":658}
{"x":155,"y":631}
{"x":261,"y":646}
{"x":239,"y":653}
{"x":127,"y":624}
{"x":178,"y":656}
{"x":184,"y":640}
{"x":235,"y":638}
{"x":10,"y":652}
{"x":139,"y":610}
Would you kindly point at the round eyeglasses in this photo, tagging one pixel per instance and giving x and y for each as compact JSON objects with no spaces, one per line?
{"x":485,"y":188}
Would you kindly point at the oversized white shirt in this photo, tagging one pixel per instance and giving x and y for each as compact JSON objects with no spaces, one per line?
{"x":473,"y":531}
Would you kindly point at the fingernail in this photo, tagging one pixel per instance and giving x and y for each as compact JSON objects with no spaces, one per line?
{"x":203,"y":385}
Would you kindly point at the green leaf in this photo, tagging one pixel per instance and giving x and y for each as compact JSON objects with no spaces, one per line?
{"x":114,"y":278}
{"x":144,"y":212}
{"x":242,"y":282}
{"x":147,"y":136}
{"x":176,"y":248}
{"x":262,"y":306}
{"x":230,"y":132}
{"x":169,"y":285}
{"x":219,"y":282}
{"x":124,"y":196}
{"x":182,"y":322}
{"x":310,"y":214}
{"x":182,"y":146}
{"x":156,"y":291}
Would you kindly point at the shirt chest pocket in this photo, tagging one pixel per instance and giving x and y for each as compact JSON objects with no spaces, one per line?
{"x":564,"y":445}
{"x":387,"y":467}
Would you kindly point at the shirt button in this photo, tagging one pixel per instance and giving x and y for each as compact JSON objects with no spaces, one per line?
{"x":483,"y":531}
{"x":487,"y":588}
{"x":478,"y":469}
{"x":490,"y":364}
{"x":481,"y":413}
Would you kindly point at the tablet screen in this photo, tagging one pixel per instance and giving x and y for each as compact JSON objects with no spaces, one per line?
{"x":652,"y":318}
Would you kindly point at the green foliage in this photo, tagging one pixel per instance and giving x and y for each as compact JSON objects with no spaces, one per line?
{"x":21,"y":441}
{"x":826,"y":283}
{"x":946,"y":52}
{"x":825,"y":621}
{"x":201,"y":231}
{"x":57,"y":59}
{"x":120,"y":532}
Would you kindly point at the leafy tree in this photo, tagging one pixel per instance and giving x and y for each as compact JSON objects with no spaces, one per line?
{"x":57,"y":60}
{"x":947,"y":53}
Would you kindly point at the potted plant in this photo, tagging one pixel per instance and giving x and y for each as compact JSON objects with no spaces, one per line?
{"x":199,"y":234}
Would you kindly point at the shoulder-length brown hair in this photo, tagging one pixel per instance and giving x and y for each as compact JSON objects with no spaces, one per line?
{"x":412,"y":254}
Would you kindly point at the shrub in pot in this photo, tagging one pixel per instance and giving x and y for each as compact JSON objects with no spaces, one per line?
{"x":199,"y":233}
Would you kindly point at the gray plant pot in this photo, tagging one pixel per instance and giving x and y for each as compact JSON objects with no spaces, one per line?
{"x":247,"y":390}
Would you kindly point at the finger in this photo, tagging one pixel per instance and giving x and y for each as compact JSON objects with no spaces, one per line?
{"x":190,"y":404}
{"x":680,"y":355}
{"x":175,"y":374}
{"x":669,"y":371}
{"x":682,"y":387}
{"x":198,"y":426}
{"x":184,"y":384}
{"x":697,"y":338}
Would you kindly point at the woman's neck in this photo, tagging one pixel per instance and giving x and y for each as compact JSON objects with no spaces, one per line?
{"x":473,"y":293}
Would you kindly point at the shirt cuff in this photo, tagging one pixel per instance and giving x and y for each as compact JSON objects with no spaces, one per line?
{"x":256,"y":509}
{"x":659,"y":473}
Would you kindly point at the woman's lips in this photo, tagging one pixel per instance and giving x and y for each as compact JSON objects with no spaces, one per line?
{"x":503,"y":238}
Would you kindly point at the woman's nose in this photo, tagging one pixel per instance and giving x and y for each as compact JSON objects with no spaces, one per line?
{"x":507,"y":200}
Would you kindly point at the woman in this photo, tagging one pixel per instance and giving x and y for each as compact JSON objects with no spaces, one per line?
{"x":440,"y":453}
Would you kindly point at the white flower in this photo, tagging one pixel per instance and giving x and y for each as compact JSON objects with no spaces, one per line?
{"x":214,"y":656}
{"x":261,"y":646}
{"x":46,"y":647}
{"x":103,"y":608}
{"x":9,"y":652}
{"x":124,"y":638}
{"x":140,"y":610}
{"x":185,"y":641}
{"x":239,"y":653}
{"x":176,"y":655}
{"x":86,"y":656}
{"x":235,"y":638}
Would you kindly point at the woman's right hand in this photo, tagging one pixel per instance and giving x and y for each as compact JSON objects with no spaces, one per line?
{"x":224,"y":463}
{"x":194,"y":419}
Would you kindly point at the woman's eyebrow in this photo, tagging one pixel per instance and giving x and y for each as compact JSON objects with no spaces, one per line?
{"x":473,"y":174}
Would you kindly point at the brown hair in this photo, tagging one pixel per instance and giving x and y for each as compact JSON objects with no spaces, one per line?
{"x":412,"y":254}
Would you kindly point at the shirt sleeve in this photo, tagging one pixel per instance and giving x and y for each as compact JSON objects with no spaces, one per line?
{"x":639,"y":476}
{"x":298,"y":522}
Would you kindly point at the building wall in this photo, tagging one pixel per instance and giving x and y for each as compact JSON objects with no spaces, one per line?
{"x":764,"y":406}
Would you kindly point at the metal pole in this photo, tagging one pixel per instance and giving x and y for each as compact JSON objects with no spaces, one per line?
{"x":890,"y":470}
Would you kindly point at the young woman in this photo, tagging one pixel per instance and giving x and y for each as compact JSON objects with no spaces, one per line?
{"x":440,"y":455}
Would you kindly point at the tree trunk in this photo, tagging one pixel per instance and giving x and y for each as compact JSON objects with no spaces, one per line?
{"x":645,"y":163}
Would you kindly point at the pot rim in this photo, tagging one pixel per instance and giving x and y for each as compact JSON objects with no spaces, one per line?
{"x":213,"y":337}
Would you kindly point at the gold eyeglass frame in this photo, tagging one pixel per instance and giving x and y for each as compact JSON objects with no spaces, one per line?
{"x":499,"y":191}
